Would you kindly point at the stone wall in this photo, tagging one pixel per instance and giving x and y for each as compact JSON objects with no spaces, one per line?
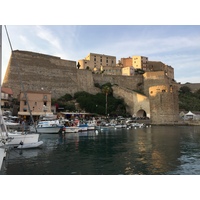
{"x":163,"y":96}
{"x":38,"y":71}
{"x":129,"y":82}
{"x":134,"y":101}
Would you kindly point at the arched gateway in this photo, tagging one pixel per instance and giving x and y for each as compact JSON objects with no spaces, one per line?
{"x":141,"y":113}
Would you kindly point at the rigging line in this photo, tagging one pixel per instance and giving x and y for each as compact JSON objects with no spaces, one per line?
{"x":19,"y":75}
{"x":8,"y":38}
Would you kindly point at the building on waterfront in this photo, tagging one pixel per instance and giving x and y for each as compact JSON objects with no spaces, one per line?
{"x":39,"y":103}
{"x":6,"y":97}
{"x":94,"y":61}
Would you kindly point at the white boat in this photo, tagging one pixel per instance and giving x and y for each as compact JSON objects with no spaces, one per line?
{"x":30,"y":145}
{"x":91,"y":125}
{"x":71,"y":129}
{"x":2,"y":156}
{"x":11,"y":123}
{"x":17,"y":138}
{"x":46,"y":127}
{"x":83,"y":127}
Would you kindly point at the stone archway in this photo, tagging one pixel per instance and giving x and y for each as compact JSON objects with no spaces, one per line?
{"x":141,"y":113}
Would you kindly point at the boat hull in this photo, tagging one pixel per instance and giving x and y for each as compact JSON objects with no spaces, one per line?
{"x":2,"y":156}
{"x":71,"y":129}
{"x":46,"y":129}
{"x":31,"y":145}
{"x":16,"y":138}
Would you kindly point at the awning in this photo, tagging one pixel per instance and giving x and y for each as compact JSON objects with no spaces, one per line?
{"x":35,"y":113}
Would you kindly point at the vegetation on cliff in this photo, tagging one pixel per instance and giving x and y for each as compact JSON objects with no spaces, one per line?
{"x":101,"y":103}
{"x":189,"y":100}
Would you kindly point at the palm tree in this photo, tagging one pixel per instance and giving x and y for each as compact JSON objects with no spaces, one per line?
{"x":106,"y":89}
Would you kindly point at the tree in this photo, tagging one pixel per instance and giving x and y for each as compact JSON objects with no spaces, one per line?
{"x":106,"y":89}
{"x":78,"y":65}
{"x":184,"y":90}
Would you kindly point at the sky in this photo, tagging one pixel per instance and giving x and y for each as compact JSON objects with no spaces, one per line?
{"x":174,"y":45}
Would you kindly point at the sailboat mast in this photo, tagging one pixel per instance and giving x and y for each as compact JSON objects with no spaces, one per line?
{"x":0,"y":60}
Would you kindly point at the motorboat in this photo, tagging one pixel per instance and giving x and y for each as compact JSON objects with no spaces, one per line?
{"x":71,"y":129}
{"x":46,"y":127}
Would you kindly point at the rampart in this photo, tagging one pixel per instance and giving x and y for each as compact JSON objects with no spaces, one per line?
{"x":38,"y":71}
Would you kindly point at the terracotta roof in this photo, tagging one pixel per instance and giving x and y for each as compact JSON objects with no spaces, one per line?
{"x":7,"y":90}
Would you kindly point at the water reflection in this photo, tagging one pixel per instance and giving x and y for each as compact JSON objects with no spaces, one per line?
{"x":152,"y":150}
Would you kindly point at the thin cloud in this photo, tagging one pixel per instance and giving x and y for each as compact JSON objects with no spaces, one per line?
{"x":50,"y":38}
{"x":176,"y":46}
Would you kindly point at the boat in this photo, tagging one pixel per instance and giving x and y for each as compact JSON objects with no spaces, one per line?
{"x":2,"y":156}
{"x":91,"y":125}
{"x":71,"y":129}
{"x":16,"y":138}
{"x":46,"y":127}
{"x":82,"y":127}
{"x":30,"y":145}
{"x":69,"y":126}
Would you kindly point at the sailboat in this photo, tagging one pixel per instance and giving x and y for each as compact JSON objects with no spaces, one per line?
{"x":14,"y":139}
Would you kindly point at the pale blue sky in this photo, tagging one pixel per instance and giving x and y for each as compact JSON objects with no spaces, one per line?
{"x":166,"y":31}
{"x":174,"y":45}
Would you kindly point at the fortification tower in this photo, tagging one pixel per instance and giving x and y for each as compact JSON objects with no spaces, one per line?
{"x":163,"y":96}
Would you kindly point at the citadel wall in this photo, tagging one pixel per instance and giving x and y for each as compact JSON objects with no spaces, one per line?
{"x":134,"y":101}
{"x":38,"y":71}
{"x":50,"y":73}
{"x":163,"y":96}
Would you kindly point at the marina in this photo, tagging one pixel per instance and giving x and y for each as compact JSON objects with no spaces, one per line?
{"x":155,"y":150}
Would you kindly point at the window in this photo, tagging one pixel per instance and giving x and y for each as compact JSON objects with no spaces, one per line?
{"x":106,"y":61}
{"x":101,"y":60}
{"x":25,"y":103}
{"x":94,"y":59}
{"x":45,"y":103}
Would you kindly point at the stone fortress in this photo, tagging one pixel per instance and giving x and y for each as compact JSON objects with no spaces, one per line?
{"x":153,"y":93}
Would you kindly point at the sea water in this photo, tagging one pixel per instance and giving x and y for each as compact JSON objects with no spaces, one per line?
{"x":155,"y":150}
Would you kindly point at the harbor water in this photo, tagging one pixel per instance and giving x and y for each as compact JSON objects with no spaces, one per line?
{"x":155,"y":150}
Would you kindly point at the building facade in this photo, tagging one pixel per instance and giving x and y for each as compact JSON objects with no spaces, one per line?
{"x":111,"y":70}
{"x":128,"y":71}
{"x":39,"y":103}
{"x":159,"y":66}
{"x":6,"y":97}
{"x":94,"y":61}
{"x":140,"y":62}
